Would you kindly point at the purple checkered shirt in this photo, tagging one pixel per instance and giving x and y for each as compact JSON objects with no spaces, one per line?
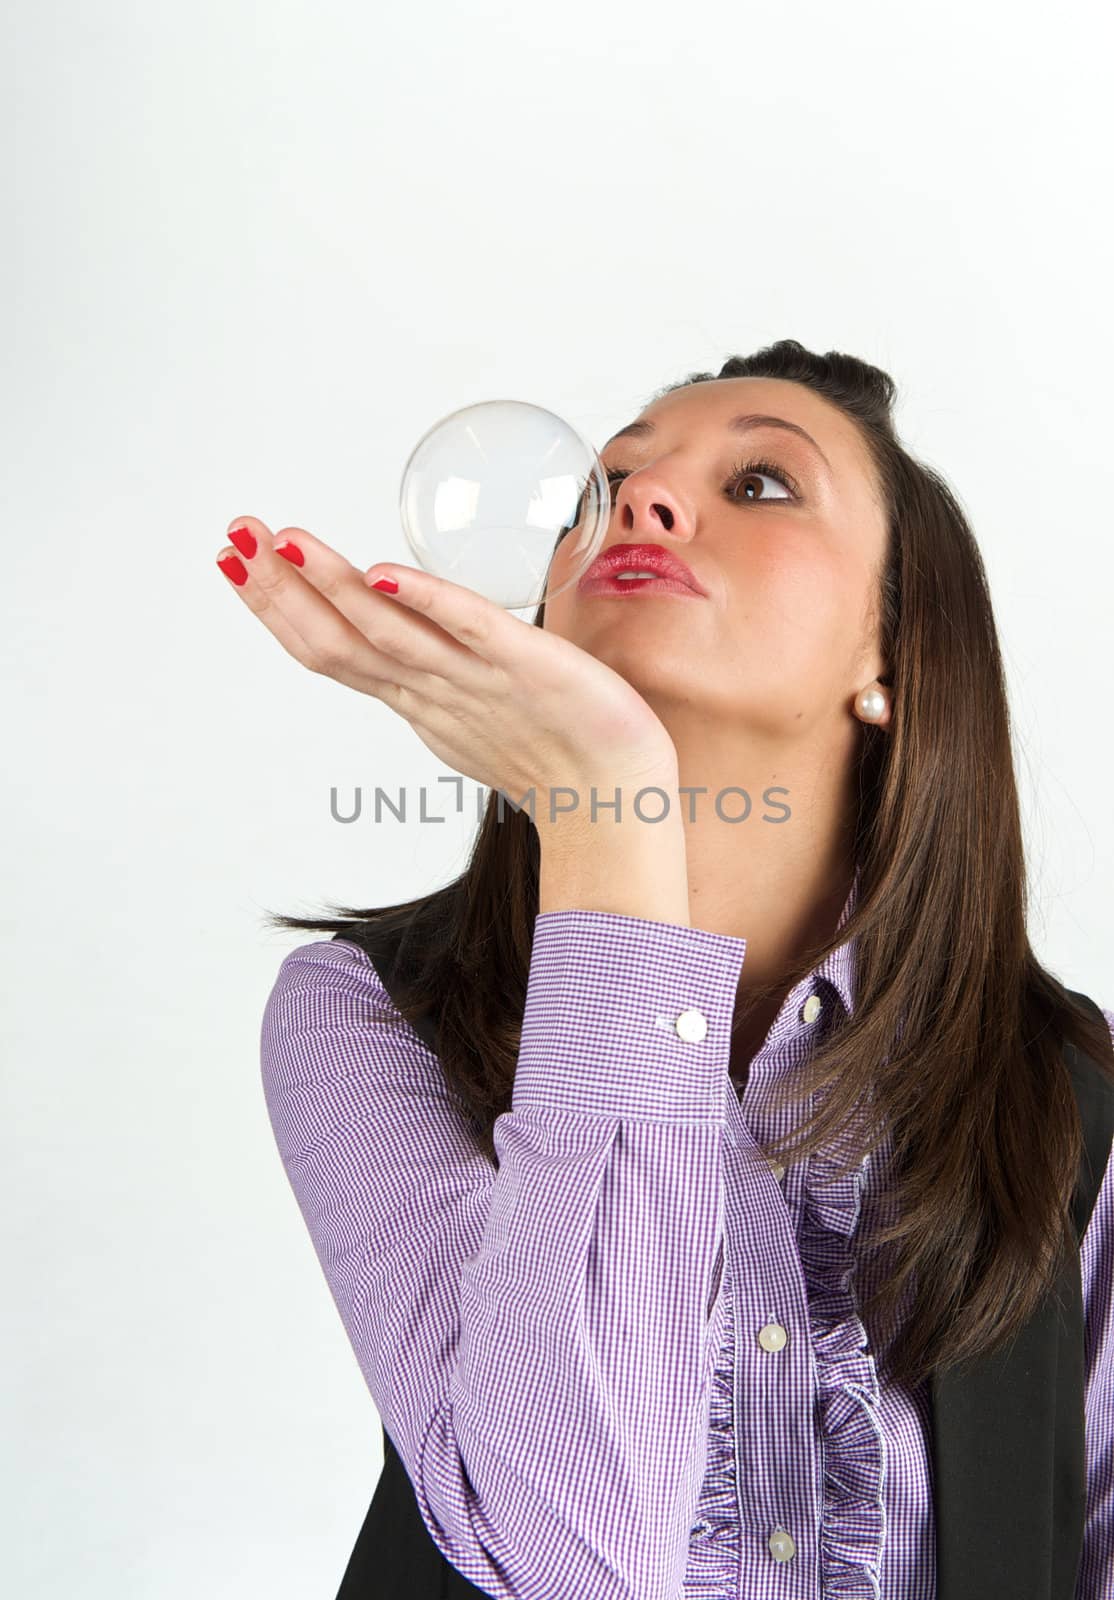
{"x":629,"y":1365}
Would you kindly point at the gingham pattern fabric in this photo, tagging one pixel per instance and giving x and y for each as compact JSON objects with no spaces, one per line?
{"x":629,"y":1364}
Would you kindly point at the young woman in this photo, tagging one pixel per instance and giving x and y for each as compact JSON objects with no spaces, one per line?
{"x":745,"y":1112}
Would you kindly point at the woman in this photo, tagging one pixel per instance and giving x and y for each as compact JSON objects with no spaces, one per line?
{"x":604,"y":1306}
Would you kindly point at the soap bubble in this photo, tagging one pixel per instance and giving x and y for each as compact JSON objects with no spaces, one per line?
{"x":489,"y":492}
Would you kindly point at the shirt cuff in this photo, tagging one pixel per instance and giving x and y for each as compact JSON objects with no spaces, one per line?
{"x":627,"y":1018}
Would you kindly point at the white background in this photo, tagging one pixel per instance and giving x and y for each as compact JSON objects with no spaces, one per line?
{"x":251,"y":252}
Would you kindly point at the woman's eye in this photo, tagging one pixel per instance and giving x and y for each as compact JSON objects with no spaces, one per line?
{"x":743,"y":483}
{"x":770,"y":477}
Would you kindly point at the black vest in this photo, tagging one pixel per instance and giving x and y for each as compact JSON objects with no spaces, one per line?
{"x":1007,"y":1442}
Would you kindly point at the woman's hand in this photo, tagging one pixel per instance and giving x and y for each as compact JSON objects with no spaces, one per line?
{"x":495,"y":698}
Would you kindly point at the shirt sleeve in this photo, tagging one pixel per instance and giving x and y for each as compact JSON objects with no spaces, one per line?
{"x":539,"y":1340}
{"x":1096,"y":1259}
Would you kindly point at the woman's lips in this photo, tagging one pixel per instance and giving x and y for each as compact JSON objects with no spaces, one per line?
{"x":612,"y":583}
{"x":643,"y":567}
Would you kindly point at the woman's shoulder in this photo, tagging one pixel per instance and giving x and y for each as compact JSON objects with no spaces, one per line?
{"x":328,"y":1008}
{"x":328,"y":971}
{"x":328,"y":953}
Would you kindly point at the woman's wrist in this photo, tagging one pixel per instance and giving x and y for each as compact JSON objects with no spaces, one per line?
{"x":619,"y":859}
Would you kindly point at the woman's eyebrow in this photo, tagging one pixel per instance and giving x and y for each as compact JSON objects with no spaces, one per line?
{"x":740,"y":424}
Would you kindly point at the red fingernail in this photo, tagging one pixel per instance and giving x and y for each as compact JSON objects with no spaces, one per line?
{"x":244,"y":540}
{"x":388,"y":584}
{"x":291,"y":553}
{"x":233,"y":568}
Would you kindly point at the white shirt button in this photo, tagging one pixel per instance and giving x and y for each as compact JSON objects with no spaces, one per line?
{"x":812,"y":1008}
{"x":691,"y":1025}
{"x":773,"y":1336}
{"x":777,"y":1169}
{"x":782,"y":1547}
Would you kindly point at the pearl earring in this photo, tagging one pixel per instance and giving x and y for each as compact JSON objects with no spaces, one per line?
{"x":871,"y":704}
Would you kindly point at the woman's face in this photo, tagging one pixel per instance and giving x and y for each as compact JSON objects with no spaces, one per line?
{"x":788,"y":553}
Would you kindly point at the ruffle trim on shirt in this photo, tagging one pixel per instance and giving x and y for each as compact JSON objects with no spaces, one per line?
{"x":853,"y":1519}
{"x":714,"y":1545}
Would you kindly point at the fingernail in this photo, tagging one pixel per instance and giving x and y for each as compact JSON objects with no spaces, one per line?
{"x":244,"y":540}
{"x":388,"y":584}
{"x":291,"y":553}
{"x":233,"y":568}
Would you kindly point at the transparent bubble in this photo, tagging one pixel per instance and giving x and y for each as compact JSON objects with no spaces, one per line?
{"x":490,"y":491}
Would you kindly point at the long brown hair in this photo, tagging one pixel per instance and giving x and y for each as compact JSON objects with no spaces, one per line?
{"x":954,"y":1044}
